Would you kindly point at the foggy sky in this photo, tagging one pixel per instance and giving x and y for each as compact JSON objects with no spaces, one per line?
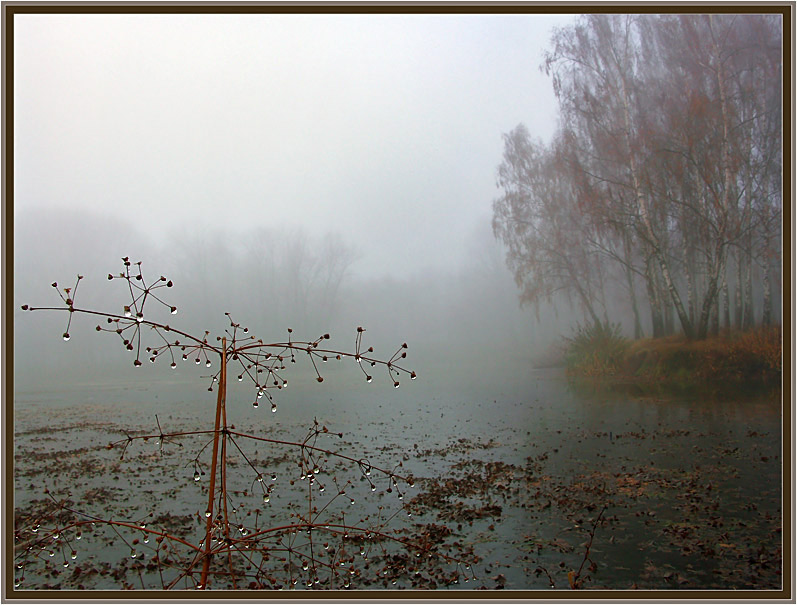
{"x":383,"y":129}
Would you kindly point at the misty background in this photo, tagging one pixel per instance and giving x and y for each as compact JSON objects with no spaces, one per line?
{"x":306,"y":171}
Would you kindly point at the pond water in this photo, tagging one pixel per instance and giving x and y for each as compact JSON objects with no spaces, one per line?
{"x":542,"y":483}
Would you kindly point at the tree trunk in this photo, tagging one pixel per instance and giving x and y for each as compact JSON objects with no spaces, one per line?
{"x":739,"y":308}
{"x":715,"y":316}
{"x":726,"y":304}
{"x":655,"y":306}
{"x":629,"y":276}
{"x":749,"y":319}
{"x":690,"y":285}
{"x":638,"y":332}
{"x":766,"y":317}
{"x":712,"y":288}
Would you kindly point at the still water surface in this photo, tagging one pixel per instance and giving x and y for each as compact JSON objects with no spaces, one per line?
{"x":688,"y":487}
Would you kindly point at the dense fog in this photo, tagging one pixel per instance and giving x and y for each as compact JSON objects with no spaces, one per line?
{"x":268,"y":280}
{"x":317,"y":173}
{"x":416,"y":175}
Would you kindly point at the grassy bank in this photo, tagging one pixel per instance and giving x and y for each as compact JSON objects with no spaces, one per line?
{"x":752,"y":357}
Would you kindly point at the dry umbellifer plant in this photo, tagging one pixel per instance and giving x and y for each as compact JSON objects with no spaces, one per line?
{"x":233,"y":544}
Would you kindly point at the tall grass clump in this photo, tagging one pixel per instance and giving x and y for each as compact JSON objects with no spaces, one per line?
{"x":756,"y":355}
{"x":596,"y":349}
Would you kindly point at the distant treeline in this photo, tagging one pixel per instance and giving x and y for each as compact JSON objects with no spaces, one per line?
{"x":663,"y":182}
{"x":269,"y":279}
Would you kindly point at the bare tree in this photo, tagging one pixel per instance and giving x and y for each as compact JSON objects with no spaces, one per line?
{"x":667,"y":168}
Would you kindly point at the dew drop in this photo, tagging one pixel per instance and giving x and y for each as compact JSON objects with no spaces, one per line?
{"x":197,"y":361}
{"x":266,"y":498}
{"x":273,"y":477}
{"x":207,"y":514}
{"x":74,"y":555}
{"x":255,"y":404}
{"x":66,"y":336}
{"x":173,"y":310}
{"x":128,"y":313}
{"x":368,"y":378}
{"x":396,"y":384}
{"x":196,"y":476}
{"x":133,"y":554}
{"x":240,"y":378}
{"x":207,"y":363}
{"x":273,"y":407}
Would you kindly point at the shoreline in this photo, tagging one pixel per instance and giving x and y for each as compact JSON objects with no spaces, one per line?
{"x":732,"y":361}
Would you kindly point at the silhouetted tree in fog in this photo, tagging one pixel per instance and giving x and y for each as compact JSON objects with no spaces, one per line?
{"x":666,"y":166}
